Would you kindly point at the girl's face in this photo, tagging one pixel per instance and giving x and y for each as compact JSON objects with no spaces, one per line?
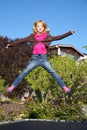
{"x":39,"y":28}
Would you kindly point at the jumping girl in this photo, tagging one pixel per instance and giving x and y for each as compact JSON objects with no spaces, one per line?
{"x":40,"y":41}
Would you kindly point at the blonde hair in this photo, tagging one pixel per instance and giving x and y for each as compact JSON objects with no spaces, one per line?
{"x":46,"y":29}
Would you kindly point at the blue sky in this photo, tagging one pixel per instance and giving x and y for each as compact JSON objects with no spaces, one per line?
{"x":17,"y":18}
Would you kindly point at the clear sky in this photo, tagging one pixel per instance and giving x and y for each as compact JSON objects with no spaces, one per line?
{"x":17,"y":18}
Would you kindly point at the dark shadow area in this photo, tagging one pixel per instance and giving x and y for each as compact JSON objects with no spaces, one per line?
{"x":43,"y":125}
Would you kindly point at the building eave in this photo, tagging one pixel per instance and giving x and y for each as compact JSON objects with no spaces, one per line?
{"x":68,"y":46}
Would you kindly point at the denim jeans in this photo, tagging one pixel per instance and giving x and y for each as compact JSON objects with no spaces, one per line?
{"x":38,"y":60}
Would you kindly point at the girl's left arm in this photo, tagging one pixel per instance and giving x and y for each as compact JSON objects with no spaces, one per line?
{"x":54,"y":38}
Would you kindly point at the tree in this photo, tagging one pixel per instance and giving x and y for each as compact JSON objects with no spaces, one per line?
{"x":85,"y":47}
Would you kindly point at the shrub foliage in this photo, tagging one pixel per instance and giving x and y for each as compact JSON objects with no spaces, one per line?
{"x":49,"y":101}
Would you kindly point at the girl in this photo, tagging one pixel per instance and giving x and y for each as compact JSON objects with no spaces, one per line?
{"x":40,"y":40}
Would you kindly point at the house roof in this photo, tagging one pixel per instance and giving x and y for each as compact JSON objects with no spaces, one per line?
{"x":67,"y":46}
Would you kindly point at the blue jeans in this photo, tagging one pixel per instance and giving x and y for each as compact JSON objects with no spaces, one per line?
{"x":38,"y":60}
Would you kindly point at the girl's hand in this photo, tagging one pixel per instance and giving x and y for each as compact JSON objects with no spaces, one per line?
{"x":72,"y":31}
{"x":7,"y":45}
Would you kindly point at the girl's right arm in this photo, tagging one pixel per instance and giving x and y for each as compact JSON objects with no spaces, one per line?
{"x":20,"y":41}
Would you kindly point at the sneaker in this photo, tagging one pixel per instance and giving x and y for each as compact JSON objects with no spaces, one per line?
{"x":10,"y":89}
{"x":66,"y":89}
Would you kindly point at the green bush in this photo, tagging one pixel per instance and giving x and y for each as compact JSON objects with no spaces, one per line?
{"x":49,"y":100}
{"x":1,"y":116}
{"x":62,"y":105}
{"x":3,"y":87}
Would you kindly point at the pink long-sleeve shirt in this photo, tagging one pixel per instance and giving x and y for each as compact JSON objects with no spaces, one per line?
{"x":40,"y":48}
{"x":39,"y":43}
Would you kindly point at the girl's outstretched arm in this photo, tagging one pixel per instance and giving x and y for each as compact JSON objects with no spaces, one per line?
{"x":51,"y":38}
{"x":19,"y":41}
{"x":54,"y":38}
